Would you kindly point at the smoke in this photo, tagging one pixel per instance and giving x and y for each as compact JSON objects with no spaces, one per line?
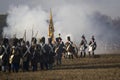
{"x":73,"y":20}
{"x":23,"y":18}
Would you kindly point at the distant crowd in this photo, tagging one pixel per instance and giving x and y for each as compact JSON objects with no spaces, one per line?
{"x":26,"y":55}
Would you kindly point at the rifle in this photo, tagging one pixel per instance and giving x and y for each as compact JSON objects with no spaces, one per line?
{"x":24,"y":36}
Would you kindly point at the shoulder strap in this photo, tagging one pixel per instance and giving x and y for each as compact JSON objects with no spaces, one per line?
{"x":27,"y":51}
{"x":42,"y":48}
{"x":51,"y":47}
{"x":5,"y":49}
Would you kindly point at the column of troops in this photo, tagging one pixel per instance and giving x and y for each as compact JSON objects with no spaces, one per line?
{"x":28,"y":56}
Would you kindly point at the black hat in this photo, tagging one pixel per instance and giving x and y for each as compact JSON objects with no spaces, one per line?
{"x":15,"y":41}
{"x":83,"y":36}
{"x":68,"y":38}
{"x":27,"y":43}
{"x":5,"y":41}
{"x":42,"y":39}
{"x":34,"y":40}
{"x":21,"y":39}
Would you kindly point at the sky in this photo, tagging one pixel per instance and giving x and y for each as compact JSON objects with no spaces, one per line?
{"x":109,"y":7}
{"x":71,"y":17}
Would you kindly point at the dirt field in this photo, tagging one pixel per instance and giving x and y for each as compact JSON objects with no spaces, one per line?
{"x":102,"y":67}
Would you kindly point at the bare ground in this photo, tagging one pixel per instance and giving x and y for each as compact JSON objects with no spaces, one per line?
{"x":102,"y":67}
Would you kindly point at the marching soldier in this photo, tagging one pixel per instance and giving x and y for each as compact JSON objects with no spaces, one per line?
{"x":51,"y":53}
{"x":25,"y":55}
{"x":59,"y":50}
{"x":92,"y":46}
{"x":69,"y":47}
{"x":15,"y":56}
{"x":34,"y":57}
{"x":83,"y":46}
{"x":5,"y":53}
{"x":44,"y":54}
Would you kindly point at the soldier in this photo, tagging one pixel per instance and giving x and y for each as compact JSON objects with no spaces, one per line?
{"x":15,"y":41}
{"x":5,"y":54}
{"x":51,"y":53}
{"x":15,"y":56}
{"x":25,"y":55}
{"x":69,"y":47}
{"x":92,"y":46}
{"x":34,"y":57}
{"x":44,"y":54}
{"x":83,"y":46}
{"x":59,"y":50}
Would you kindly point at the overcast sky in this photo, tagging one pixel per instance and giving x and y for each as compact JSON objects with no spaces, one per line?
{"x":109,"y":7}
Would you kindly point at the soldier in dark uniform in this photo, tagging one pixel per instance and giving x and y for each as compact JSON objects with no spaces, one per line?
{"x":44,"y":54}
{"x":59,"y":50}
{"x":15,"y":41}
{"x":15,"y":56}
{"x":51,"y":53}
{"x":5,"y":53}
{"x":69,"y":47}
{"x":25,"y":55}
{"x":34,"y":57}
{"x":83,"y":46}
{"x":92,"y":46}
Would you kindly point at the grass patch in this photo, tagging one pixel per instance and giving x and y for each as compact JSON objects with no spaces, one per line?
{"x":105,"y":67}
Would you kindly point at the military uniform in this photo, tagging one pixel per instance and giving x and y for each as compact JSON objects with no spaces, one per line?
{"x":59,"y":50}
{"x":83,"y":46}
{"x":25,"y":56}
{"x":44,"y":54}
{"x":51,"y":53}
{"x":5,"y":53}
{"x":34,"y":52}
{"x":16,"y":59}
{"x":69,"y":48}
{"x":15,"y":55}
{"x":92,"y":46}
